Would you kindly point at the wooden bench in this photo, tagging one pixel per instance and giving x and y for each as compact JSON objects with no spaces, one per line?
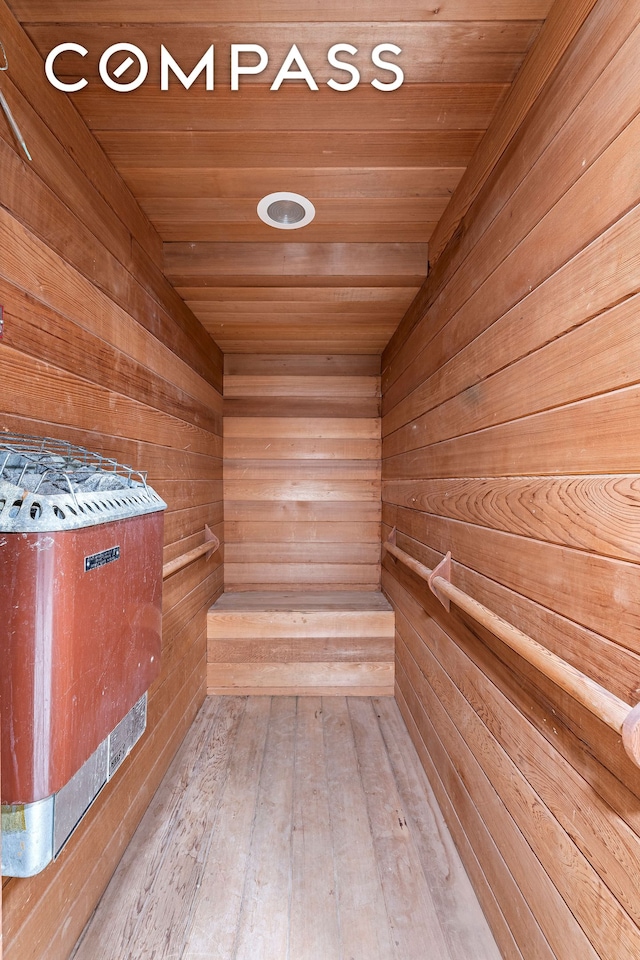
{"x":339,"y":643}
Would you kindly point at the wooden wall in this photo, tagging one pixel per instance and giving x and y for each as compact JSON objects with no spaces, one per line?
{"x":98,"y":348}
{"x":510,"y":425}
{"x":302,"y":472}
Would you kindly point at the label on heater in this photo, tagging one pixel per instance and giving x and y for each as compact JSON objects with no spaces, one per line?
{"x":101,"y":559}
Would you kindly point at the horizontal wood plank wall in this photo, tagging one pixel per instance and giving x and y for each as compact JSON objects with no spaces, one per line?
{"x":302,"y":495}
{"x":98,"y":349}
{"x":510,"y":437}
{"x":302,"y":473}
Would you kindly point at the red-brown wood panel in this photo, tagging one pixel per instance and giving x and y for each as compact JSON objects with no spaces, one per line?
{"x":300,"y":465}
{"x":508,"y":392}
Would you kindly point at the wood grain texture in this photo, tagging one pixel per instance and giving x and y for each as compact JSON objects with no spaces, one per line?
{"x":294,"y":779}
{"x":201,"y":11}
{"x":327,"y":182}
{"x":431,"y":148}
{"x":571,"y":236}
{"x":296,"y":428}
{"x":560,"y":28}
{"x":414,"y":106}
{"x":509,"y":319}
{"x":302,"y":679}
{"x":224,"y":260}
{"x":60,"y":116}
{"x":591,"y":64}
{"x":532,"y":355}
{"x":304,"y":467}
{"x":446,"y":707}
{"x":590,"y":883}
{"x":595,"y":513}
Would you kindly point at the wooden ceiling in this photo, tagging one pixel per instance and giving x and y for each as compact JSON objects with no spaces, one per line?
{"x":380,"y":167}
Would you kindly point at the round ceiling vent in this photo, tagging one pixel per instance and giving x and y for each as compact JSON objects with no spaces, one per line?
{"x":286,"y":211}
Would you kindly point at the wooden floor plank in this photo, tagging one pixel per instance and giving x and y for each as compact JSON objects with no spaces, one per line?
{"x":462,"y":922}
{"x":263,"y":928}
{"x":314,"y":925}
{"x":412,"y":915}
{"x":360,"y":899}
{"x":215,"y":919}
{"x":291,"y":829}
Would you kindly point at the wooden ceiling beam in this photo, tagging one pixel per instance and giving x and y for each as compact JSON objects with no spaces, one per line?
{"x":312,"y":279}
{"x":301,"y":331}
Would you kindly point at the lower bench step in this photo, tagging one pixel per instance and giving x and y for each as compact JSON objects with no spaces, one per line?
{"x":338,"y":643}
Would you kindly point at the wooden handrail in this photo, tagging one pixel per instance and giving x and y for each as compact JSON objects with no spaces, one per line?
{"x":210,"y":545}
{"x":613,"y":711}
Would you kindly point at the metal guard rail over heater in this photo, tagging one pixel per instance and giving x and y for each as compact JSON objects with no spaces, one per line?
{"x":620,"y":716}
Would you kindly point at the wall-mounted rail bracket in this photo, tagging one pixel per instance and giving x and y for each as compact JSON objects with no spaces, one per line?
{"x":443,"y":570}
{"x":392,"y":540}
{"x":210,"y":537}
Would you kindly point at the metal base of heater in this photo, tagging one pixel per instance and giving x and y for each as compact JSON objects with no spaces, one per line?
{"x":33,"y":834}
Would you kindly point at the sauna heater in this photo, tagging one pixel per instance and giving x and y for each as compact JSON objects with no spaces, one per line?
{"x":80,"y":630}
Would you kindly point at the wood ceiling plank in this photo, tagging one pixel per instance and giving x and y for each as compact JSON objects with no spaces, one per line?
{"x":301,"y":365}
{"x":369,"y":346}
{"x":304,"y":385}
{"x":301,"y":331}
{"x":240,"y":210}
{"x":333,"y":182}
{"x":432,"y":52}
{"x":315,"y":232}
{"x":246,"y":297}
{"x":300,"y":324}
{"x":200,"y":11}
{"x":194,"y":150}
{"x":310,"y":280}
{"x":242,"y":311}
{"x":275,"y":261}
{"x":414,"y":106}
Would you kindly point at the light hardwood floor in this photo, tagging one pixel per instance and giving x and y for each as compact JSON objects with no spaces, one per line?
{"x":291,"y":829}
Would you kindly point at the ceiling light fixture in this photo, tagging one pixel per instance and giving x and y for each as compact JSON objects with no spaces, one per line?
{"x":286,"y":211}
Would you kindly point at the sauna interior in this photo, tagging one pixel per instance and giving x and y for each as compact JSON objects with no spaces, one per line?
{"x":446,"y":359}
